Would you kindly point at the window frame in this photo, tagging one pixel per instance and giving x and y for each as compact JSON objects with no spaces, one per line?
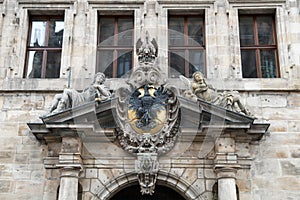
{"x":115,"y":48}
{"x":186,"y":46}
{"x":45,"y":49}
{"x":258,"y":47}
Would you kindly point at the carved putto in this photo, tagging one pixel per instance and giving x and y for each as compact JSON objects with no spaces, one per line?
{"x":226,"y":99}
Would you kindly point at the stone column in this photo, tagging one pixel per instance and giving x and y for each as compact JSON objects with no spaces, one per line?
{"x":225,"y":166}
{"x":226,"y":183}
{"x":69,"y":183}
{"x":71,"y":165}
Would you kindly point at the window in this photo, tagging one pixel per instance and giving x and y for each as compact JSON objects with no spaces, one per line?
{"x":258,"y":46}
{"x":115,"y":46}
{"x":186,"y":45}
{"x":44,"y":47}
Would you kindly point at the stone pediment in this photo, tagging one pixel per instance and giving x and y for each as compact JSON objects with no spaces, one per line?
{"x":195,"y":117}
{"x":89,"y":116}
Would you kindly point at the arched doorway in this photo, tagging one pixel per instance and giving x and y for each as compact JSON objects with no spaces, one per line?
{"x":165,"y":182}
{"x":133,"y":193}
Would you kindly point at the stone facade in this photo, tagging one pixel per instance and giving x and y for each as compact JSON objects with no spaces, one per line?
{"x":32,"y":168}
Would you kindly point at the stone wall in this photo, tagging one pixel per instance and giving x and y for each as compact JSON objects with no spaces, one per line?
{"x":270,"y":168}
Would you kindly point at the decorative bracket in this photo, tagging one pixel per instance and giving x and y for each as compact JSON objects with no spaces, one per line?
{"x":146,"y":167}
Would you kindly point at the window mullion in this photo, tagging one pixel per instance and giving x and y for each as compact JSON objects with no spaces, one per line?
{"x":115,"y":55}
{"x":186,"y":62}
{"x":44,"y":63}
{"x":257,"y":51}
{"x":47,"y":32}
{"x":186,"y":34}
{"x":258,"y":64}
{"x":115,"y":64}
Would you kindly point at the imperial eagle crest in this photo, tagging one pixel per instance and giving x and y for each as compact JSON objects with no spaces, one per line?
{"x":147,"y":108}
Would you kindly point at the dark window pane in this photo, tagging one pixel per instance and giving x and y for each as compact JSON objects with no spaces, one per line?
{"x":268,"y":64}
{"x":38,"y":34}
{"x":56,"y":30}
{"x":105,"y":62}
{"x":249,"y":64}
{"x":124,"y":63}
{"x":265,"y":31}
{"x":176,"y":31}
{"x":196,"y":61}
{"x":246,"y":26}
{"x":53,"y":64}
{"x":177,"y":63}
{"x":34,"y":64}
{"x":107,"y":31}
{"x":195,"y":31}
{"x":125,"y":27}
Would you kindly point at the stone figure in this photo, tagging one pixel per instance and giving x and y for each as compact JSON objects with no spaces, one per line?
{"x":227,"y":99}
{"x":71,"y":98}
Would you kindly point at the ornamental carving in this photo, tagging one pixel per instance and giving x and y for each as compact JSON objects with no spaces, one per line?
{"x":198,"y":88}
{"x":147,"y":167}
{"x":147,"y":115}
{"x":148,"y":118}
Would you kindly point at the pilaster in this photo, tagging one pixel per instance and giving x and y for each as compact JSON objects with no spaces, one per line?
{"x":71,"y":165}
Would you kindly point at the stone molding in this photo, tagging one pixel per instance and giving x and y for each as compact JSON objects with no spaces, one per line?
{"x":186,"y":2}
{"x":46,"y":1}
{"x":257,"y":1}
{"x":116,"y":2}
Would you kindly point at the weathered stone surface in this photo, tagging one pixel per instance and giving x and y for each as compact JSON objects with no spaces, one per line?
{"x":105,"y":176}
{"x":6,"y":186}
{"x":6,"y":157}
{"x":267,"y":100}
{"x":290,"y":168}
{"x":225,"y":145}
{"x":91,"y":173}
{"x":29,"y":187}
{"x":295,"y":153}
{"x":190,"y":175}
{"x":294,"y":126}
{"x":267,"y":168}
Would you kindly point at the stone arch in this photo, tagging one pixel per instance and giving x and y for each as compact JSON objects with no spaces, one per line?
{"x":164,"y":178}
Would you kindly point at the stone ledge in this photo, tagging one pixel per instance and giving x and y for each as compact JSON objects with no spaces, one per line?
{"x":116,"y":1}
{"x":57,"y":85}
{"x":46,"y":1}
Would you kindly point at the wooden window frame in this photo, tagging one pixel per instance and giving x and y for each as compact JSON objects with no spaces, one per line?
{"x":258,"y":47}
{"x":45,"y":49}
{"x":115,"y":48}
{"x":186,"y":47}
